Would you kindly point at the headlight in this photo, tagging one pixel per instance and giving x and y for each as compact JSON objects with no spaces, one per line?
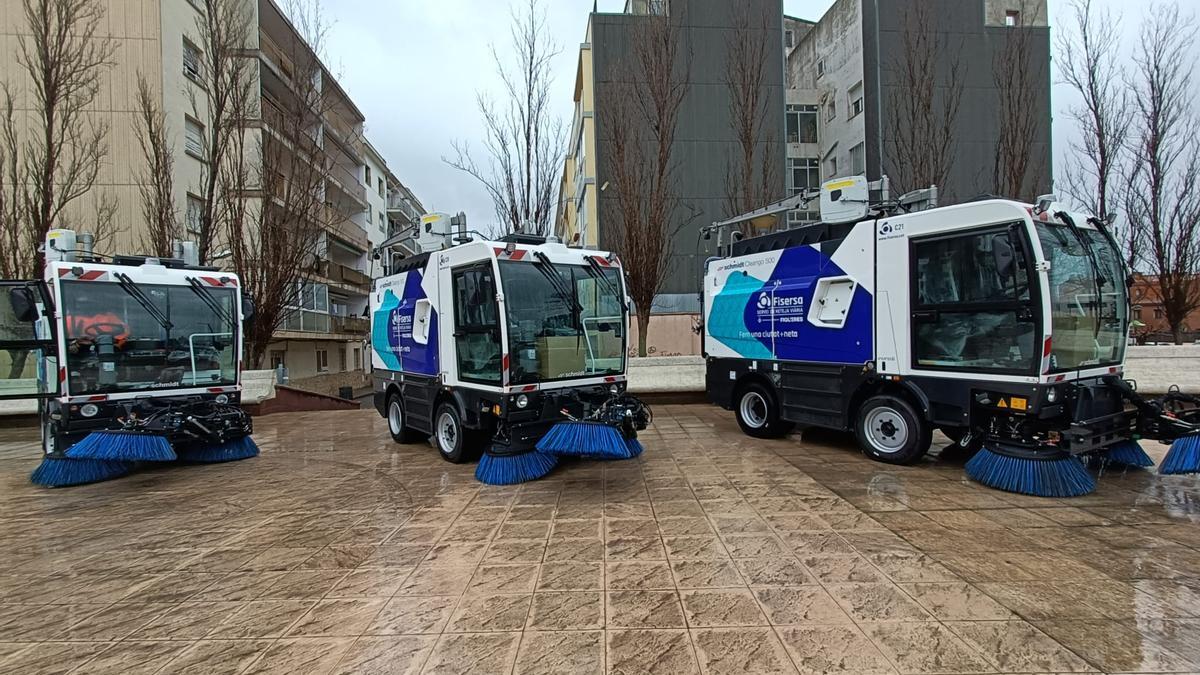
{"x":222,"y":399}
{"x":89,"y":410}
{"x":1051,"y":395}
{"x":522,"y":401}
{"x":614,"y":390}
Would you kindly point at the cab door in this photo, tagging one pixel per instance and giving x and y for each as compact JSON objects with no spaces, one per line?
{"x":477,"y":342}
{"x":28,"y":362}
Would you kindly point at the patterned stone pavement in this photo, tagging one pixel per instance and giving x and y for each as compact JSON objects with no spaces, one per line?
{"x":338,"y":551}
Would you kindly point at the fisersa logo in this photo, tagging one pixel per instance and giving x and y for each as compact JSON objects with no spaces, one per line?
{"x":765,"y":301}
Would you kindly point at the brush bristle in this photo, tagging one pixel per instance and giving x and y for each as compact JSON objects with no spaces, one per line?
{"x":1124,"y":454}
{"x":513,"y":469}
{"x":122,"y":446}
{"x":242,"y":448}
{"x":53,"y":472}
{"x":635,"y":447}
{"x":1183,"y":457}
{"x":591,"y":440}
{"x":1063,"y":476}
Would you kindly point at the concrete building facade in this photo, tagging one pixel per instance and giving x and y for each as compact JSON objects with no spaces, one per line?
{"x":158,"y":40}
{"x":705,"y":141}
{"x":843,"y":71}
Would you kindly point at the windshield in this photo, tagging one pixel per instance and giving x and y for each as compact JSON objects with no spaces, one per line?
{"x":116,"y":342}
{"x":558,"y":330}
{"x":1088,"y":304}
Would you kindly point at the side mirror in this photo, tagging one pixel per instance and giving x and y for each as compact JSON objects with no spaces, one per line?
{"x":24,"y":306}
{"x":248,"y":309}
{"x":1002,"y":253}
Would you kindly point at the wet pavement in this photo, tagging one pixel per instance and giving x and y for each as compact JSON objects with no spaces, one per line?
{"x":338,"y":551}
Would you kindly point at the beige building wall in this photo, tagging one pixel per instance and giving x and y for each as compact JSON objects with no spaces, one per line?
{"x":578,"y":215}
{"x":136,"y":29}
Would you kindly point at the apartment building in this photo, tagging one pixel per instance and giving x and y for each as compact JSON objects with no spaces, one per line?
{"x":323,"y":339}
{"x":705,"y":141}
{"x":843,"y":69}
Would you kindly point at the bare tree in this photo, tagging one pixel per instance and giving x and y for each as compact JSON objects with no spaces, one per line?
{"x":922,"y":109}
{"x":752,"y":177}
{"x":282,"y":171}
{"x":1015,"y":173}
{"x":523,"y":139}
{"x":1088,"y":56}
{"x":641,"y":125}
{"x":1165,"y":160}
{"x":224,"y":101}
{"x":52,"y":155}
{"x":157,"y":183}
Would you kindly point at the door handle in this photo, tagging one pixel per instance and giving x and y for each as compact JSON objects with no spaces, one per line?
{"x":928,"y":315}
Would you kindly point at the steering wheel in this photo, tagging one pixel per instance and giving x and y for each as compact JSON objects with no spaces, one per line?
{"x":101,"y":328}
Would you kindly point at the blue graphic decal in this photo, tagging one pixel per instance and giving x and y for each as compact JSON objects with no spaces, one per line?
{"x":726,"y":322}
{"x":764,"y":319}
{"x":392,"y":331}
{"x":382,"y":336}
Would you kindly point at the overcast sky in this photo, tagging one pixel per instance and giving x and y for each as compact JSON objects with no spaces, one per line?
{"x":413,"y":67}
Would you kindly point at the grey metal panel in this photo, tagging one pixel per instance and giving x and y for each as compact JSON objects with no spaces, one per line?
{"x":962,"y":25}
{"x":704,"y":139}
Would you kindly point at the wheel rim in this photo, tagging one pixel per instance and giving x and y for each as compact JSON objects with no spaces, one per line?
{"x":395,"y":417}
{"x":754,"y":410}
{"x":447,"y":432}
{"x":886,"y":430}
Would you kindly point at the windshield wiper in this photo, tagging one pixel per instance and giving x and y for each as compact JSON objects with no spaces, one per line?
{"x":542,"y":264}
{"x":205,"y":295}
{"x":1097,"y":276}
{"x":593,"y":268}
{"x":147,"y":304}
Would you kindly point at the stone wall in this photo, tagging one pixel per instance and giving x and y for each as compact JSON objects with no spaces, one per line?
{"x":329,"y":383}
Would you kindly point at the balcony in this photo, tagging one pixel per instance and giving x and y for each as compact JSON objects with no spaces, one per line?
{"x":350,"y":325}
{"x":346,"y":230}
{"x":348,"y":276}
{"x":348,"y":182}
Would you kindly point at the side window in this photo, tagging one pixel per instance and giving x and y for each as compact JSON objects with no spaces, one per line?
{"x":971,"y":303}
{"x":477,"y":325}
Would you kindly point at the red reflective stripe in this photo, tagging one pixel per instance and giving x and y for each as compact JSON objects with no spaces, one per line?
{"x":62,"y":374}
{"x":1046,"y":348}
{"x":517,"y":254}
{"x":504,"y":368}
{"x":530,"y":387}
{"x":91,"y":276}
{"x":62,"y":272}
{"x":212,"y":281}
{"x":499,"y":251}
{"x":610,"y":379}
{"x":601,"y":260}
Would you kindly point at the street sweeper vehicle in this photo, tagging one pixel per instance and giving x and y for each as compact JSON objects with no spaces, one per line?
{"x":132,"y":359}
{"x":514,"y":347}
{"x":1001,"y":323}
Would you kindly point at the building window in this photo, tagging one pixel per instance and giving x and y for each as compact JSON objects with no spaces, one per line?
{"x":193,"y":66}
{"x":342,"y":359}
{"x":581,"y":217}
{"x":831,"y":163}
{"x":381,"y":187}
{"x":802,"y":124}
{"x":856,"y":100}
{"x":194,"y":214}
{"x":193,"y":138}
{"x":789,"y":39}
{"x":1159,"y":314}
{"x":278,"y":359}
{"x":803,"y":175}
{"x":1012,"y":18}
{"x":382,"y":224}
{"x":820,"y":67}
{"x":366,"y":175}
{"x":831,"y":109}
{"x":858,"y":159}
{"x":322,"y":361}
{"x":370,"y":213}
{"x":357,"y":358}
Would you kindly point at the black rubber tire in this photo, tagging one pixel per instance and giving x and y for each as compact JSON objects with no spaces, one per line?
{"x":404,"y":434}
{"x":771,"y":426}
{"x":914,"y":445}
{"x":460,"y":452}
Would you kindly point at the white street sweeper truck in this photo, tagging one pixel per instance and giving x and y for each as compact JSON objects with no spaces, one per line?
{"x":1001,"y":323}
{"x":488,"y":345}
{"x":131,"y":358}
